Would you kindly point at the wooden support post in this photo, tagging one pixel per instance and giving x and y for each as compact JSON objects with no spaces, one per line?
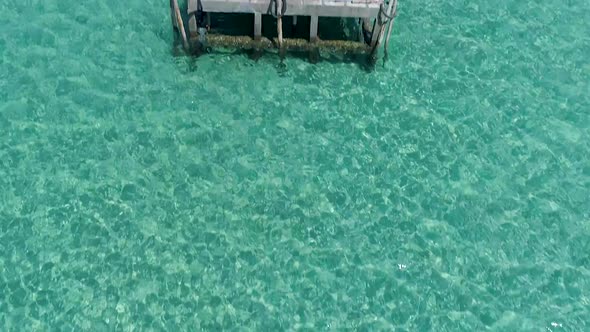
{"x":293,"y":25}
{"x":193,"y":29}
{"x":280,"y":31}
{"x":360,"y":36}
{"x":375,"y":33}
{"x":180,"y":24}
{"x":172,"y":14}
{"x":390,"y":26}
{"x":280,"y":23}
{"x":192,"y":24}
{"x":257,"y":26}
{"x":313,"y":29}
{"x":208,"y":20}
{"x":379,"y":29}
{"x":314,"y":53}
{"x":366,"y":26}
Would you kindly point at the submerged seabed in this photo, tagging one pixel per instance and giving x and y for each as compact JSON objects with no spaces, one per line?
{"x":445,"y":191}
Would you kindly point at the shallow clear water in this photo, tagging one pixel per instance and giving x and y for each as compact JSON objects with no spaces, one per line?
{"x":447,"y":190}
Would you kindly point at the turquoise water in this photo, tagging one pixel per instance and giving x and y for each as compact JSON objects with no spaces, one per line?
{"x":445,"y":191}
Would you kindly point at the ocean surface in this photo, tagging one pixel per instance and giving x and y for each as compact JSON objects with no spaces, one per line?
{"x":445,"y":190}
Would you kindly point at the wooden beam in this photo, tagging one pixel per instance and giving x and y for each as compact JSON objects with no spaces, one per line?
{"x":289,"y":44}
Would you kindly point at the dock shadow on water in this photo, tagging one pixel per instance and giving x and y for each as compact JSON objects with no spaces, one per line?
{"x":362,"y":61}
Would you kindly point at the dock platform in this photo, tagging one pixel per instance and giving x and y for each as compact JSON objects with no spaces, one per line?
{"x":375,"y":19}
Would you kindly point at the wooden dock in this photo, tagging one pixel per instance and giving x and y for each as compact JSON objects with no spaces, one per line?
{"x":375,"y":19}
